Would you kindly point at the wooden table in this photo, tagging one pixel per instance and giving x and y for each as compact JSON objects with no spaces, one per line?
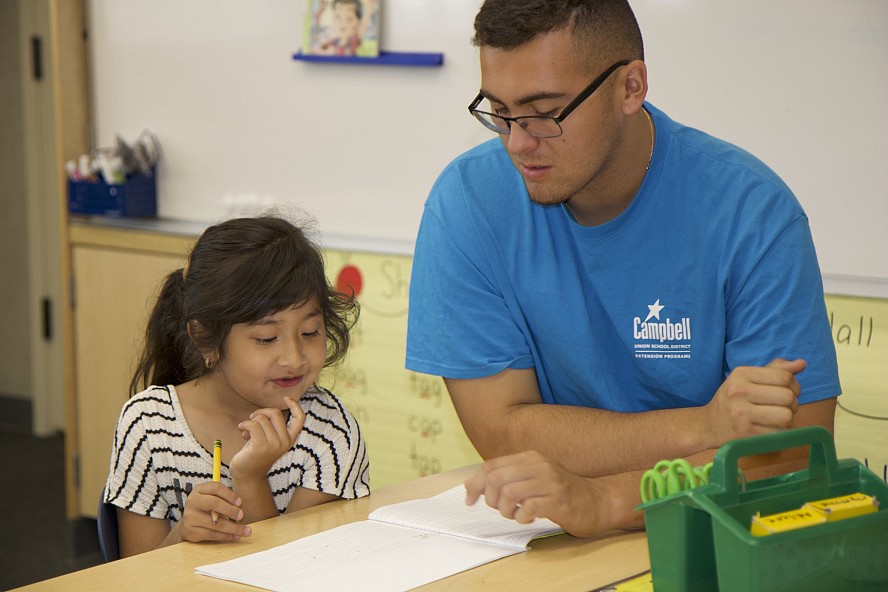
{"x":560,"y":563}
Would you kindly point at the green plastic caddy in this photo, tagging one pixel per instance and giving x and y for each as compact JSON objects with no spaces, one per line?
{"x":699,"y":539}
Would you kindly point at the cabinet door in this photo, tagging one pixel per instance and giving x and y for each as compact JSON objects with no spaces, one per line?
{"x":114,"y":292}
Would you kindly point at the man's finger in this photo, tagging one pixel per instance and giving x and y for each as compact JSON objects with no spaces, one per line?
{"x":794,"y":366}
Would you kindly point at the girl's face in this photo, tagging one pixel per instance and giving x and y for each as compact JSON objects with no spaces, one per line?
{"x":346,"y":20}
{"x":280,"y":355}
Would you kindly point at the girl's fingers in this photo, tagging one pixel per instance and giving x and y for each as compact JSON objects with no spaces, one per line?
{"x":258,"y":428}
{"x":297,"y":419}
{"x":273,"y":423}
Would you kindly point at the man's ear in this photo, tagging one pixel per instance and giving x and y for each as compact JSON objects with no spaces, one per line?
{"x":635,"y":87}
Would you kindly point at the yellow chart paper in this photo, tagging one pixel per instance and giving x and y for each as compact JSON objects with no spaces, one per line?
{"x":860,"y":331}
{"x":407,"y":418}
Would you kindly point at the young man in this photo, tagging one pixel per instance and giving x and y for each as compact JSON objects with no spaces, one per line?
{"x":602,"y":287}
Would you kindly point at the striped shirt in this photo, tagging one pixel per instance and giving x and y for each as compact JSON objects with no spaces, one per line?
{"x":156,"y":460}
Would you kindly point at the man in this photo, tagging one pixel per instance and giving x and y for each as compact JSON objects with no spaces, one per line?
{"x":602,"y":287}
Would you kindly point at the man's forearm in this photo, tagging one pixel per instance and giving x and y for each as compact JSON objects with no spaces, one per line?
{"x":620,"y":494}
{"x":594,"y":442}
{"x":503,"y":414}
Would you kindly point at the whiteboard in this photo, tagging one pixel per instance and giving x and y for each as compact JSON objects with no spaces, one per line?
{"x":803,"y":84}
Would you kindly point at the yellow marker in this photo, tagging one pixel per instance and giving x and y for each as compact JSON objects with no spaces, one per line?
{"x":801,"y":518}
{"x":217,"y":470}
{"x":643,"y":583}
{"x":818,"y":512}
{"x":845,"y":506}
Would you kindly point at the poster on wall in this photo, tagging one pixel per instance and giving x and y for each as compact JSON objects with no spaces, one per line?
{"x":342,"y":27}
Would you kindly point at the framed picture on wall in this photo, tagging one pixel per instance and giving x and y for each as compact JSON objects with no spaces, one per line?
{"x":342,"y":27}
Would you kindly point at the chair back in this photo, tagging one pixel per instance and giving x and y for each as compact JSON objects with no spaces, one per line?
{"x":106,"y":522}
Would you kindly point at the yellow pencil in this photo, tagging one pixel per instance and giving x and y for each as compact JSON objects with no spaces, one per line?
{"x":217,"y":469}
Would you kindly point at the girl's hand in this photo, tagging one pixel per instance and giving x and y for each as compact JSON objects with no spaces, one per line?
{"x":268,"y":437}
{"x":197,"y":521}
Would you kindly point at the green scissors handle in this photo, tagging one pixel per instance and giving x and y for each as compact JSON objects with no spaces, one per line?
{"x":672,"y":476}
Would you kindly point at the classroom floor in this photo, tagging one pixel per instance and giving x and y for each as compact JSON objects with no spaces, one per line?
{"x":39,"y":542}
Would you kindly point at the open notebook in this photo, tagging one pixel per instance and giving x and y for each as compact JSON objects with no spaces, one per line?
{"x":399,"y":547}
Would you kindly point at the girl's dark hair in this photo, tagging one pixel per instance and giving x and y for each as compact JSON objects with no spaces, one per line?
{"x":239,"y":271}
{"x":356,"y":4}
{"x":606,"y":27}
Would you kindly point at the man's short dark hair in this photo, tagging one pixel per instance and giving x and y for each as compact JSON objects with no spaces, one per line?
{"x":604,"y":30}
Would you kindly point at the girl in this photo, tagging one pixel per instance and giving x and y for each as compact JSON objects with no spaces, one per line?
{"x":233,"y":349}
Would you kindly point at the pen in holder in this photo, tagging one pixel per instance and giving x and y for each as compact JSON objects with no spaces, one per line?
{"x":119,"y":181}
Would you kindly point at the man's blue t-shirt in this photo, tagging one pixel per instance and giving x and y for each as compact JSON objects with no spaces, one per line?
{"x":711,"y":267}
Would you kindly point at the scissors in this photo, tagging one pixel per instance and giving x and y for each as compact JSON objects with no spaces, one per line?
{"x":672,"y":476}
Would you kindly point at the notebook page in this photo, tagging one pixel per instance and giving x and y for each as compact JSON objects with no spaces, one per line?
{"x":367,"y":556}
{"x":448,"y":513}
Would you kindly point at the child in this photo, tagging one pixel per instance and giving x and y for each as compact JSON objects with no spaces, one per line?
{"x":234,"y":346}
{"x":347,"y":17}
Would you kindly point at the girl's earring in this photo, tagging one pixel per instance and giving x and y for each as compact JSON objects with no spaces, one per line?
{"x":210,"y":362}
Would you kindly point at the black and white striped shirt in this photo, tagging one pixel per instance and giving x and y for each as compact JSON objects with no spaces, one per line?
{"x":156,"y":460}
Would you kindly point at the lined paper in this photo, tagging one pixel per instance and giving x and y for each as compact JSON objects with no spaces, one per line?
{"x":447,"y":513}
{"x":401,"y":547}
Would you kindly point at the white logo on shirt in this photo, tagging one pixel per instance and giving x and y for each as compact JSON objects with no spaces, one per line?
{"x":661,"y":337}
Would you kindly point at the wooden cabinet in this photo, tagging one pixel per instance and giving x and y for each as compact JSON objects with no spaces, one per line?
{"x":116,"y":276}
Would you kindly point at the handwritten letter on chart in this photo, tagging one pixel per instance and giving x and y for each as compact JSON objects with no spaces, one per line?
{"x":860,"y":332}
{"x":407,"y":418}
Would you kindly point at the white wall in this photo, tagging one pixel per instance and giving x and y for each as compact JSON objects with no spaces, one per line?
{"x":800,"y":83}
{"x":803,"y":84}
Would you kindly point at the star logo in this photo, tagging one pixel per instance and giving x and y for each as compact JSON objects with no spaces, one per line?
{"x":654,"y":309}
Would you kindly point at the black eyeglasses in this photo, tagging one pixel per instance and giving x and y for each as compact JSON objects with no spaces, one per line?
{"x":541,"y":126}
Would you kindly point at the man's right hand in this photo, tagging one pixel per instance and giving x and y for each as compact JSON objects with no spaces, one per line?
{"x":755,"y":400}
{"x":527,"y":485}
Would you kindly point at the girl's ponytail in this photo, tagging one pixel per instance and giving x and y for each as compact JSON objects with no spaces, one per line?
{"x":166,"y":347}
